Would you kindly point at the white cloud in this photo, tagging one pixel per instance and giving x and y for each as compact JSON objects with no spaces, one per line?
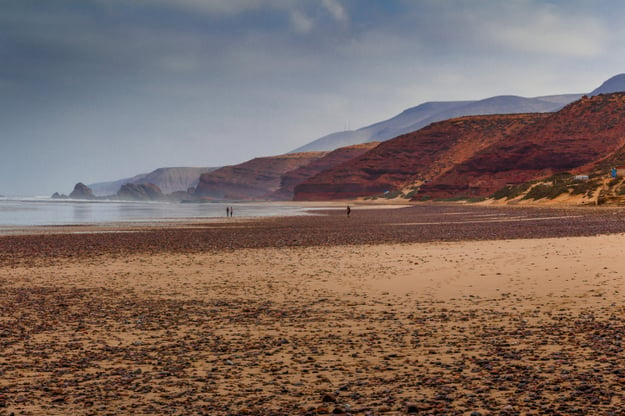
{"x":300,"y":22}
{"x":548,"y":30}
{"x":214,"y":7}
{"x":336,"y":10}
{"x":218,"y":8}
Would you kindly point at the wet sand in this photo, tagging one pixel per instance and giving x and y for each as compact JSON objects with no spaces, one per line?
{"x":430,"y":310}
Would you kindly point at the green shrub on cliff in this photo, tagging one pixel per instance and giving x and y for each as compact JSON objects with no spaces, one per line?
{"x":512,"y":191}
{"x":548,"y":191}
{"x":584,"y":188}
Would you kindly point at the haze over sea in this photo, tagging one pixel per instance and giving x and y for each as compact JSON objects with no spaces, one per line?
{"x":46,"y":211}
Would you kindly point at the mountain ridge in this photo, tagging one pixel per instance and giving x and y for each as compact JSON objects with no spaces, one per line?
{"x":429,"y":112}
{"x":613,"y":84}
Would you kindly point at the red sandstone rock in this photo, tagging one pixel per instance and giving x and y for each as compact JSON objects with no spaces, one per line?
{"x":477,"y":155}
{"x":575,"y":139}
{"x":255,"y":179}
{"x":419,"y":156}
{"x":295,"y":177}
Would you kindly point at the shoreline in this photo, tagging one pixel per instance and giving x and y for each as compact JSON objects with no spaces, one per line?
{"x":306,"y":207}
{"x":328,"y":227}
{"x":74,"y":214}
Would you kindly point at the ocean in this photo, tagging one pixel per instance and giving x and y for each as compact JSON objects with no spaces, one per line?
{"x":46,"y":211}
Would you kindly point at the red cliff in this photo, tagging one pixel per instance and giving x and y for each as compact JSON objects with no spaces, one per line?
{"x":575,"y":139}
{"x":413,"y":158}
{"x":335,"y":158}
{"x":258,"y":178}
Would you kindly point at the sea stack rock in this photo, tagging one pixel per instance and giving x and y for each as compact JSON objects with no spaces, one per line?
{"x":82,"y":191}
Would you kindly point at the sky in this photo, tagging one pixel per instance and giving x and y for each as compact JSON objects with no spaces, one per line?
{"x":99,"y":90}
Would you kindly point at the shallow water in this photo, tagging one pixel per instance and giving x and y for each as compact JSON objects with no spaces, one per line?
{"x":46,"y":211}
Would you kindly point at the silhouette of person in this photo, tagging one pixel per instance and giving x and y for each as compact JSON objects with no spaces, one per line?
{"x":349,"y":210}
{"x":231,"y":211}
{"x":227,"y":211}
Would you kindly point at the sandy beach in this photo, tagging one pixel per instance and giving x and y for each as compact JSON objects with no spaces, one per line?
{"x":431,"y":310}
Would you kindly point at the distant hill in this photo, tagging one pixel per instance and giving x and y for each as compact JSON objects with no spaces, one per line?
{"x":420,"y":116}
{"x":614,"y":84}
{"x":167,"y":179}
{"x":380,"y":131}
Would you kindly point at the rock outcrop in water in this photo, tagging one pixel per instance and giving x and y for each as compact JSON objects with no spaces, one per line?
{"x":82,"y":191}
{"x":127,"y":192}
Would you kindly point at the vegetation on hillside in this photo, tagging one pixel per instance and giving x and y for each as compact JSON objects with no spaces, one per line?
{"x":597,"y":187}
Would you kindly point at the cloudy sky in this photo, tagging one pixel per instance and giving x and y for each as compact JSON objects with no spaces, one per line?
{"x":97,"y":90}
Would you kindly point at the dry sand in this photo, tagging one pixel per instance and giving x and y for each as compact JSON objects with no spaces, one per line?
{"x":480,"y":326}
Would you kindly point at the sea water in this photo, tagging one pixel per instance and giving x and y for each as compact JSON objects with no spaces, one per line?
{"x":46,"y":211}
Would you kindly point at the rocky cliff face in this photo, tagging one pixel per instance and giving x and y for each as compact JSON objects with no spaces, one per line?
{"x":478,"y":155}
{"x":127,"y":192}
{"x":169,"y":180}
{"x":413,"y":158}
{"x":575,"y":139}
{"x":258,"y":178}
{"x":335,"y":158}
{"x":141,"y":192}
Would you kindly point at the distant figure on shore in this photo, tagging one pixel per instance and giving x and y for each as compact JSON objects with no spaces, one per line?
{"x":227,"y":211}
{"x":231,"y":211}
{"x":349,"y":210}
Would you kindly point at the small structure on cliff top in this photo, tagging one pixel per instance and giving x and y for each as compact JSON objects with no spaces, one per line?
{"x":618,"y":172}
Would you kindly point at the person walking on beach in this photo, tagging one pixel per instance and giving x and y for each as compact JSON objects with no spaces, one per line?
{"x":231,"y":211}
{"x":227,"y":211}
{"x":349,"y":211}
